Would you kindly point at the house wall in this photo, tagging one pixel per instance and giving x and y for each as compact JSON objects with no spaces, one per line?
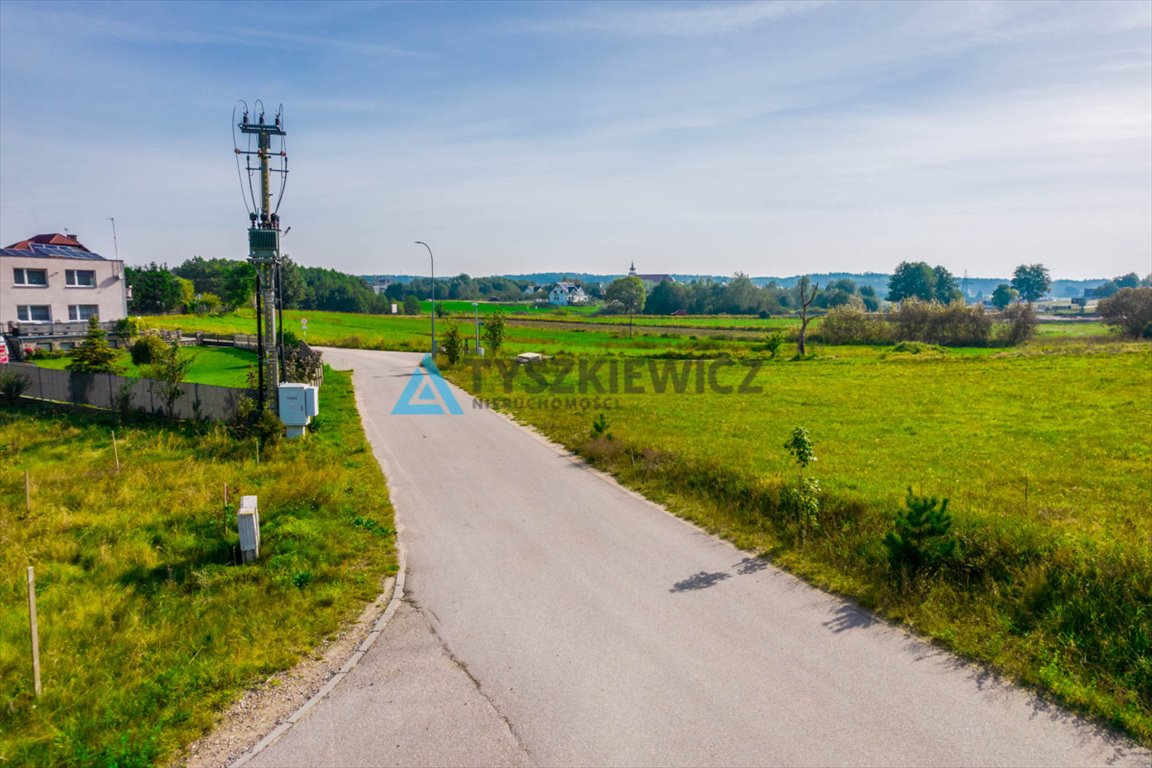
{"x":109,"y":294}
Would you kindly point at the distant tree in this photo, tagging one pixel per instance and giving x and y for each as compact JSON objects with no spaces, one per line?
{"x":666,"y":298}
{"x":239,"y":285}
{"x":95,"y":354}
{"x":1130,"y":280}
{"x":629,"y":292}
{"x":1129,"y":311}
{"x":207,"y":275}
{"x":806,"y":292}
{"x":912,"y":280}
{"x":411,"y":305}
{"x":494,"y":331}
{"x":946,"y":290}
{"x":293,"y":289}
{"x":869,"y":297}
{"x":1003,"y":296}
{"x":155,"y":289}
{"x":1032,"y":281}
{"x":740,"y":296}
{"x":187,"y":292}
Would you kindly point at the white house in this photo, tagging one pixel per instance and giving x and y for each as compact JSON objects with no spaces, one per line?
{"x":51,"y":279}
{"x":565,"y":293}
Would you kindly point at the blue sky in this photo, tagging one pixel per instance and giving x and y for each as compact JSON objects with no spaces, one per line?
{"x":769,"y":138}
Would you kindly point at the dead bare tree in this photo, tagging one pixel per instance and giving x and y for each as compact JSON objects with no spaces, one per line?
{"x":806,"y":299}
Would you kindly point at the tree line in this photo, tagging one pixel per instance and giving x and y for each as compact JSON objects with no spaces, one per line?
{"x":219,"y":285}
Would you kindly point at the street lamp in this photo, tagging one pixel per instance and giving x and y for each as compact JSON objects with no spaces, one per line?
{"x":476,"y":309}
{"x":432,"y":262}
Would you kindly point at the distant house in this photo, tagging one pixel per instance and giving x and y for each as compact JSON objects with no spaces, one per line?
{"x":565,"y":293}
{"x":650,"y":280}
{"x":381,"y":285}
{"x":53,"y":279}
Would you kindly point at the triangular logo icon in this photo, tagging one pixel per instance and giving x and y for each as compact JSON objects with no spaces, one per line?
{"x":427,"y":393}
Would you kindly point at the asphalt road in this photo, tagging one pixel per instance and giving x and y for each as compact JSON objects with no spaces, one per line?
{"x":554,"y":618}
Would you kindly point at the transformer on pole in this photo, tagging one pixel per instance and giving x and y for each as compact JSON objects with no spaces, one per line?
{"x":264,"y":236}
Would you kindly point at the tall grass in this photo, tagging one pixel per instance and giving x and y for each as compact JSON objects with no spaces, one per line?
{"x":148,"y":627}
{"x":1045,"y":454}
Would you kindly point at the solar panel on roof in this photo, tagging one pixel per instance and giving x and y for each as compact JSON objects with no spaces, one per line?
{"x":38,"y":250}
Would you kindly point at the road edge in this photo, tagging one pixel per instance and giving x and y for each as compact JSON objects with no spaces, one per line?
{"x":361,"y":649}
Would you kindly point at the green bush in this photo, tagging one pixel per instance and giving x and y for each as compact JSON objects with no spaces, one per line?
{"x":147,"y":349}
{"x":1018,"y":325}
{"x":13,"y":385}
{"x":852,"y":325}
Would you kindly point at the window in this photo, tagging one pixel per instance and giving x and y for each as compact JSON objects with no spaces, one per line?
{"x":38,"y":277}
{"x":80,"y":278}
{"x":78,"y":312}
{"x":32,"y":313}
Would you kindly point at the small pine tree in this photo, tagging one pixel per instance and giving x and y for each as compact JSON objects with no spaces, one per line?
{"x":94,"y":355}
{"x":921,"y":536}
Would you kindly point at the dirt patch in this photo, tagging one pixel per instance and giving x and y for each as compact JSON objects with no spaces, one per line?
{"x":263,"y":708}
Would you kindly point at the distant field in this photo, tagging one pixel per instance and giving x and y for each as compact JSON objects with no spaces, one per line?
{"x":550,"y":331}
{"x":219,"y":366}
{"x":402,"y":332}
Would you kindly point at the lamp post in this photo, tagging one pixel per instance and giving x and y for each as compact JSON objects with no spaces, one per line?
{"x":476,"y":309}
{"x":432,"y":263}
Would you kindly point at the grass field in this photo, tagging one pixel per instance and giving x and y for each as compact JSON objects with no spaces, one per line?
{"x":219,"y":366}
{"x":1044,"y":452}
{"x":147,"y":627}
{"x":563,"y":334}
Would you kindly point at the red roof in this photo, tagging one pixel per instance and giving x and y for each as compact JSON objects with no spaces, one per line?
{"x":53,"y":239}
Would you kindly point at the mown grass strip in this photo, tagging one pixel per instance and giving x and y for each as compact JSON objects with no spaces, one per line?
{"x":147,"y":627}
{"x":218,"y":366}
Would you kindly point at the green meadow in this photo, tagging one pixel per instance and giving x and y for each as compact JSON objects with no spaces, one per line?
{"x":148,"y":627}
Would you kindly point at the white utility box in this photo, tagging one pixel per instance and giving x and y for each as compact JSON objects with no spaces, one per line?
{"x":298,"y":404}
{"x":248,"y":524}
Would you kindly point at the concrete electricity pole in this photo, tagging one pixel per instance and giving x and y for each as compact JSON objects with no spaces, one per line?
{"x":264,"y":243}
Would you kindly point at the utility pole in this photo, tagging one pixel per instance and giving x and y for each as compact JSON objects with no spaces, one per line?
{"x":264,"y":245}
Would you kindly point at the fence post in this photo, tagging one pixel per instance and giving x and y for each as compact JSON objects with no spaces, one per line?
{"x":27,"y":493}
{"x":35,"y":636}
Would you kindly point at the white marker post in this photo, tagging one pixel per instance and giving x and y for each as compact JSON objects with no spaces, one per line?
{"x":248,"y":526}
{"x":304,"y":328}
{"x":35,"y":635}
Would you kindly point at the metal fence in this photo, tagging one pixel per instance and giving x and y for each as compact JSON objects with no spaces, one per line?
{"x":107,"y":390}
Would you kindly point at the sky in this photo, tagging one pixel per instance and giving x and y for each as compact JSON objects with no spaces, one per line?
{"x":775,"y":138}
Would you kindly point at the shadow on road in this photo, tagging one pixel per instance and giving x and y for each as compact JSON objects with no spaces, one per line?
{"x":849,"y":617}
{"x":701,"y":580}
